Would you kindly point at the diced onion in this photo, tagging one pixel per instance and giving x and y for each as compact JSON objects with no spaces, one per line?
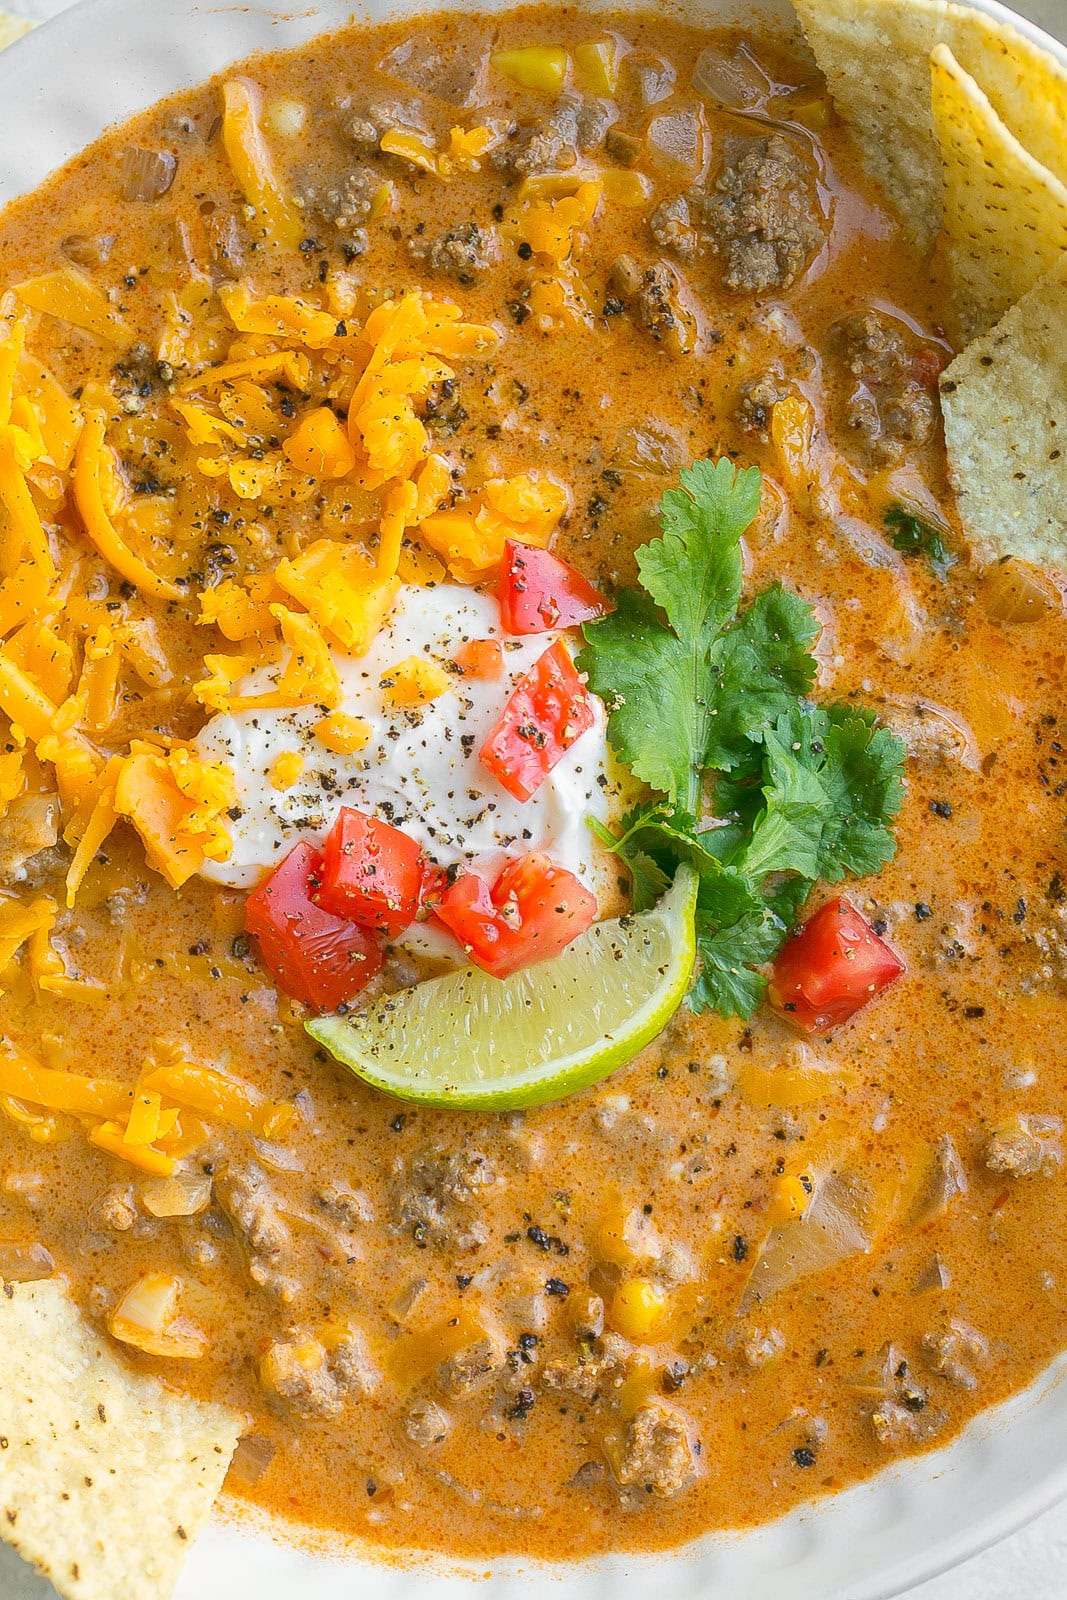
{"x":1016,"y":592}
{"x":185,"y":1194}
{"x":736,"y":81}
{"x":675,"y":142}
{"x":24,"y":1263}
{"x":832,"y":1228}
{"x":251,"y":1459}
{"x":146,"y":1318}
{"x":147,"y":174}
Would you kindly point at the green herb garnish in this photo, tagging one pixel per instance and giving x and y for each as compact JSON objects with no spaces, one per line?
{"x":913,"y":537}
{"x":761,"y":790}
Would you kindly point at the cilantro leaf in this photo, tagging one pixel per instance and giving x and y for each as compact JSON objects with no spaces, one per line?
{"x":736,"y":931}
{"x":655,"y":676}
{"x":763,"y":663}
{"x":913,"y":537}
{"x":707,"y":703}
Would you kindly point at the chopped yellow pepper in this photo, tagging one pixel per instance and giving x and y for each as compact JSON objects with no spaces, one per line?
{"x":597,"y":62}
{"x":539,"y":66}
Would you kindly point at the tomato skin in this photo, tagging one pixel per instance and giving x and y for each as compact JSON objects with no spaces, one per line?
{"x":311,"y":954}
{"x":370,"y":873}
{"x":533,"y":911}
{"x":549,"y":709}
{"x":539,"y":592}
{"x":834,"y":965}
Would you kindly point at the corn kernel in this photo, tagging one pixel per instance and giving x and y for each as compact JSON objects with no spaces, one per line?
{"x":788,"y":1199}
{"x":342,"y":734}
{"x":539,"y":66}
{"x":637,"y":1310}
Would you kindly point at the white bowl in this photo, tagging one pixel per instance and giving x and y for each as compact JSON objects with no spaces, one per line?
{"x":59,"y":88}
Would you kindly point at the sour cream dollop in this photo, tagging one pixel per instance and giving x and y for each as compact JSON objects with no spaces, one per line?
{"x":419,"y":769}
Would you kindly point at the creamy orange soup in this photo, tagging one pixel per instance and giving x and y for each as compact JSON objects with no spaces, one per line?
{"x":428,"y":1317}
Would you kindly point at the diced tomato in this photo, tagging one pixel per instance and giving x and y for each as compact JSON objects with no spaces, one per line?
{"x":539,"y":592}
{"x":830,"y":968}
{"x":927,"y":365}
{"x":481,"y":658}
{"x":550,"y":708}
{"x":533,"y":911}
{"x":310,"y":953}
{"x":371,"y":873}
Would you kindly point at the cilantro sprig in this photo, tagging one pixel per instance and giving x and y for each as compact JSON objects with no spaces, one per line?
{"x":913,"y":537}
{"x":761,"y":790}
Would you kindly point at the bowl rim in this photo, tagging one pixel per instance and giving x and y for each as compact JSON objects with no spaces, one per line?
{"x":45,"y":83}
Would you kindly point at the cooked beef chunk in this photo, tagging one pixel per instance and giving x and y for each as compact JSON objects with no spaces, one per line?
{"x":887,"y":407}
{"x":756,"y":396}
{"x":363,"y":129}
{"x":672,"y":229}
{"x":469,"y":1368}
{"x":246,"y":1197}
{"x":623,"y":148}
{"x":945,"y":1178}
{"x":436,"y":1198}
{"x":764,"y":217}
{"x":427,"y":1423}
{"x":576,"y":127}
{"x":461,"y":252}
{"x":954,"y":1351}
{"x":653,"y":295}
{"x":346,"y":1207}
{"x":658,"y":1452}
{"x":597,"y":1367}
{"x":1025,"y":1147}
{"x":301,"y":1375}
{"x":345,"y":204}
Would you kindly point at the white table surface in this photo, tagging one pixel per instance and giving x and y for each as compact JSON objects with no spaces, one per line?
{"x":1032,"y":1564}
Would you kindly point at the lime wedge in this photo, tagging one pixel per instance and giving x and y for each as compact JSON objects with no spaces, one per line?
{"x":479,"y":1043}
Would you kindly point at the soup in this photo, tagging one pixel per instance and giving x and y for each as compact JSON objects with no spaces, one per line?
{"x":768,"y":1254}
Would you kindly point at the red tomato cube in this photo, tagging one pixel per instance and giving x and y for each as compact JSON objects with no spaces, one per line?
{"x":371,"y":873}
{"x":311,"y":954}
{"x":834,"y":965}
{"x":533,"y":911}
{"x":549,"y":710}
{"x":539,"y":592}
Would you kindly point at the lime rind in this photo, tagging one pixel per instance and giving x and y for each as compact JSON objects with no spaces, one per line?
{"x":473,"y":1042}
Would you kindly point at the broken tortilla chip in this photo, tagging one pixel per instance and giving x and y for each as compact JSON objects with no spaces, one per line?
{"x":12,"y":28}
{"x":1005,"y":408}
{"x":1005,"y":214}
{"x":874,"y":55}
{"x":105,"y":1475}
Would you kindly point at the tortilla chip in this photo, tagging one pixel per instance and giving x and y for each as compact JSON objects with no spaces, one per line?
{"x":1005,"y":407}
{"x":1005,"y":214}
{"x":12,"y":28}
{"x":874,"y":55}
{"x":105,"y":1475}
